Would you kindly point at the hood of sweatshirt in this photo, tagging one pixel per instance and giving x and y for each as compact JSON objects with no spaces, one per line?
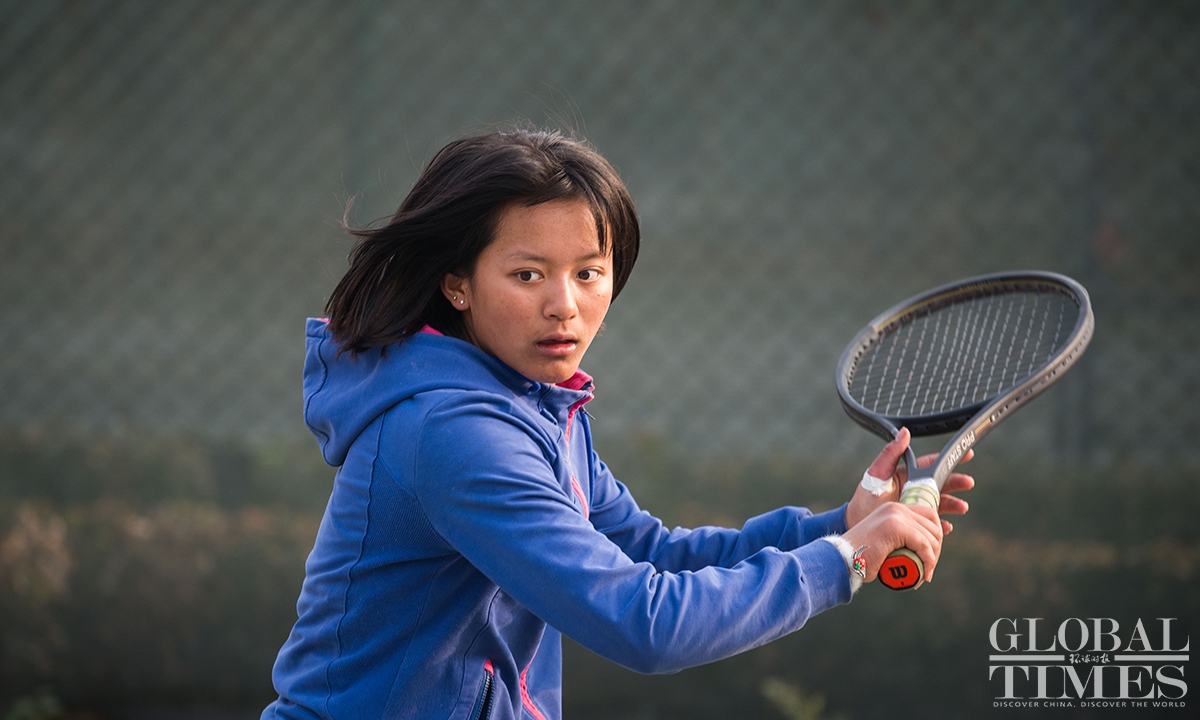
{"x":344,"y":394}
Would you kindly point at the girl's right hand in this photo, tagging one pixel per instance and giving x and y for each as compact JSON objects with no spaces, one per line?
{"x":888,"y":465}
{"x":892,"y":526}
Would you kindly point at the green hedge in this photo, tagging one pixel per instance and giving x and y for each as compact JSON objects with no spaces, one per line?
{"x":138,"y":573}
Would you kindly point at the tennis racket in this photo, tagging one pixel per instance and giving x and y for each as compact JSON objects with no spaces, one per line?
{"x":959,"y":358}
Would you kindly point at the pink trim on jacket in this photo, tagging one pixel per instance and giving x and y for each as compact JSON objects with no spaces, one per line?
{"x":525,"y":699}
{"x":576,"y":381}
{"x":579,"y":492}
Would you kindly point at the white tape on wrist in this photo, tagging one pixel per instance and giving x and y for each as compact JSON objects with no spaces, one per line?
{"x":848,"y":555}
{"x":876,"y":486}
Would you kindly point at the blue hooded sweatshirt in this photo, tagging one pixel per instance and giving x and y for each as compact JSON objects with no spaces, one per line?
{"x":471,"y":522}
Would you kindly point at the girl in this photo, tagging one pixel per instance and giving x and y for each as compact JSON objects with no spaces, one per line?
{"x":471,"y":521}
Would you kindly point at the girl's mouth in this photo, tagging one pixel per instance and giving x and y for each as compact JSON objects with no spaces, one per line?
{"x":557,"y":345}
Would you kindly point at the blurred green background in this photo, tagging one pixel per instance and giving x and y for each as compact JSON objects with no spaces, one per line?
{"x":171,"y":180}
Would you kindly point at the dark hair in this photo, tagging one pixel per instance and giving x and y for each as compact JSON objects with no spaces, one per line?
{"x":392,"y":288}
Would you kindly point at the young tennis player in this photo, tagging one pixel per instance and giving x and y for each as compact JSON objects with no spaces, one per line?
{"x":471,"y":521}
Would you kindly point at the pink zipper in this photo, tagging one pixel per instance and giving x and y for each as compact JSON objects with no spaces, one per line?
{"x":576,"y":382}
{"x":575,"y":483}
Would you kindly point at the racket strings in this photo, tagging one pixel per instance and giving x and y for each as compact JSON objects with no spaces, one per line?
{"x":957,"y":354}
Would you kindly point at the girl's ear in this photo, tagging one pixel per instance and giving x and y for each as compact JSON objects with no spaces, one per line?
{"x":457,"y":289}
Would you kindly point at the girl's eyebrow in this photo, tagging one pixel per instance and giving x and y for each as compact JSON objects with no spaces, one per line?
{"x":522,"y":255}
{"x":530,"y":257}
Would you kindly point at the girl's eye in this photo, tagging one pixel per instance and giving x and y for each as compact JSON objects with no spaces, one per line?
{"x":526,"y":275}
{"x":589,"y":274}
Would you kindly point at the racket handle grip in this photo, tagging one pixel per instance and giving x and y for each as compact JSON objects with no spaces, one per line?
{"x":902,"y":569}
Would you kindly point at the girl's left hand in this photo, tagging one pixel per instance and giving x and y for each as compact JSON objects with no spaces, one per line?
{"x":888,"y":465}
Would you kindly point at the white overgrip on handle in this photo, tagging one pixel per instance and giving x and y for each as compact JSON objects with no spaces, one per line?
{"x":921,"y":491}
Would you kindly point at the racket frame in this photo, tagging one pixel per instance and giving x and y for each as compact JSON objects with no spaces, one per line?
{"x":973,"y":421}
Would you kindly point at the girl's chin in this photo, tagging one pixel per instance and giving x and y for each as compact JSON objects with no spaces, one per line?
{"x":551,"y":370}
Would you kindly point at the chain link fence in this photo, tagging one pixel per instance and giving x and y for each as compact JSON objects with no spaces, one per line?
{"x":173,"y":174}
{"x":172,"y":180}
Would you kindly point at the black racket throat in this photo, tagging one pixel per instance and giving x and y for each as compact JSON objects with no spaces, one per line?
{"x":961,"y":357}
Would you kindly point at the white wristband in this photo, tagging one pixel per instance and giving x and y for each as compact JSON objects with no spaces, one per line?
{"x":848,"y":555}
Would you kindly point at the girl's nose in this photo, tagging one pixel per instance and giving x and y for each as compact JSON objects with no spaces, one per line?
{"x":560,"y":303}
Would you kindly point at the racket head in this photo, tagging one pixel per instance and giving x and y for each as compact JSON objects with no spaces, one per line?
{"x":938,"y":359}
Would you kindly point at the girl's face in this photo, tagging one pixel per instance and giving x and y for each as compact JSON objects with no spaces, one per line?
{"x":540,"y":290}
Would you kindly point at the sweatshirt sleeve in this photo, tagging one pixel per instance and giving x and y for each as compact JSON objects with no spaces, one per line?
{"x":644,"y":538}
{"x":488,"y":489}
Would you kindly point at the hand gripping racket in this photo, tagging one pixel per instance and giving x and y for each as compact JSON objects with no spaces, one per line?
{"x":960,"y":357}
